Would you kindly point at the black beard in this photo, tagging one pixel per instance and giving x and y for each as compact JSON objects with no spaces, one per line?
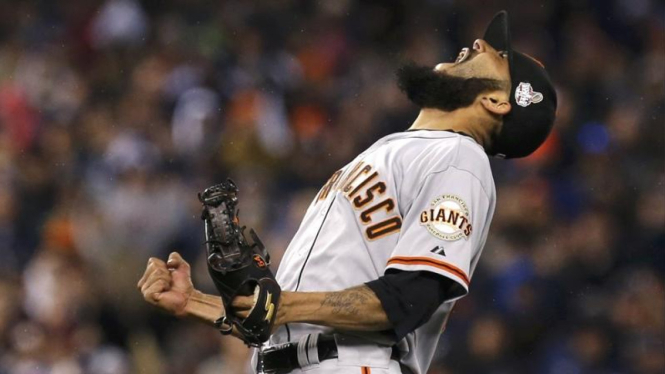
{"x":430,"y":89}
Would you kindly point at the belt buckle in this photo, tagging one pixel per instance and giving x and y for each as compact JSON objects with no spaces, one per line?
{"x":260,"y":362}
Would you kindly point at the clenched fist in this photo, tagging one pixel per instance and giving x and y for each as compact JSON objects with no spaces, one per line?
{"x":168,"y":285}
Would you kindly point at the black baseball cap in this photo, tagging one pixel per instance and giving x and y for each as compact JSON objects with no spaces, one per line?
{"x":532,"y":97}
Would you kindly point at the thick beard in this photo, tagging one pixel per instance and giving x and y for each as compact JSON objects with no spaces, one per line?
{"x":430,"y":89}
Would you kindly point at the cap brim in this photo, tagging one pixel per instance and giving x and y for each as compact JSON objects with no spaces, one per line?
{"x":497,"y":34}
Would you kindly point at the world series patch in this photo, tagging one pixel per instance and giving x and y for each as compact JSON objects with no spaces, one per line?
{"x":447,"y":218}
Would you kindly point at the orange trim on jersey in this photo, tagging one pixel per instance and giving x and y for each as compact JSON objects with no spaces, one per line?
{"x":431,"y":262}
{"x":365,"y":370}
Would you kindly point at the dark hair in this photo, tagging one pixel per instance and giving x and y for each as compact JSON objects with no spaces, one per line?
{"x":431,"y":89}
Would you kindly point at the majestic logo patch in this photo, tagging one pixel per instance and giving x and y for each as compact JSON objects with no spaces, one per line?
{"x":448,"y":218}
{"x":525,"y":95}
{"x":438,"y":250}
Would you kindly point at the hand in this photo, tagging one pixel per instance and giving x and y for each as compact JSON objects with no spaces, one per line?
{"x":168,"y":285}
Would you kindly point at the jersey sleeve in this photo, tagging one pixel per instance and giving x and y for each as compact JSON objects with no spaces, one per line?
{"x":444,"y":228}
{"x":409,"y":298}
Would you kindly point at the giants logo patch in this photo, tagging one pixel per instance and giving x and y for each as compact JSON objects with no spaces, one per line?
{"x":525,"y":95}
{"x":448,"y":218}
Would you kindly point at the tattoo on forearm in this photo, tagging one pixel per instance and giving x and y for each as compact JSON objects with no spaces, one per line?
{"x":348,"y":302}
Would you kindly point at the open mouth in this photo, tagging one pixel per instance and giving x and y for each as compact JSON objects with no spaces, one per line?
{"x":463,"y":55}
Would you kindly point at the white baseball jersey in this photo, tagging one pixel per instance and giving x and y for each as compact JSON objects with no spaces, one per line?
{"x":416,"y":200}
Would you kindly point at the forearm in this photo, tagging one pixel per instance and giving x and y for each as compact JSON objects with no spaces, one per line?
{"x":207,"y":309}
{"x":354,"y":309}
{"x":204,"y":307}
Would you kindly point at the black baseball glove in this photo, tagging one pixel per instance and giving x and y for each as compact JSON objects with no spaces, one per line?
{"x":238,"y":267}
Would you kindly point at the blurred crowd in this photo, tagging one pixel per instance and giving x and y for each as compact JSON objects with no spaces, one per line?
{"x":115,"y":113}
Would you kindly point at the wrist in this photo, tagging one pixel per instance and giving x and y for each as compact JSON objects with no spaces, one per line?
{"x":283,"y":314}
{"x":296,"y":307}
{"x":188,"y":310}
{"x":203,"y":307}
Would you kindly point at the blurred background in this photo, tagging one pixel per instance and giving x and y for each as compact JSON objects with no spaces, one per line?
{"x":115,"y":113}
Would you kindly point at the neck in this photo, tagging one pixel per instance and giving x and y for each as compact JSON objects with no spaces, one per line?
{"x":461,"y":120}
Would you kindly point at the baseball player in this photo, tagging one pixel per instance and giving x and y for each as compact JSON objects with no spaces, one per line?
{"x":392,"y":239}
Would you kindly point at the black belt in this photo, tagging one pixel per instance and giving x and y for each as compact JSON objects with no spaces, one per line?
{"x":283,"y":358}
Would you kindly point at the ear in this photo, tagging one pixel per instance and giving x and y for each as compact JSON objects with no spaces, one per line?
{"x":496,"y":103}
